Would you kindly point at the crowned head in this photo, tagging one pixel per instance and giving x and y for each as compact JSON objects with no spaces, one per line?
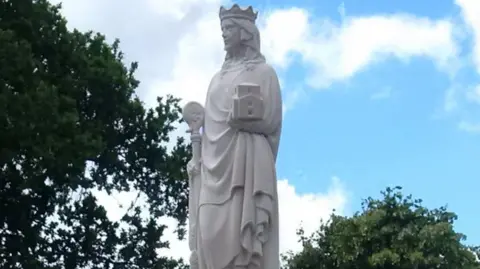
{"x":238,"y":27}
{"x":240,"y":34}
{"x":237,"y":12}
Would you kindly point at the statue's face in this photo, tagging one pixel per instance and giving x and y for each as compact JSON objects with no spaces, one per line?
{"x":231,"y":35}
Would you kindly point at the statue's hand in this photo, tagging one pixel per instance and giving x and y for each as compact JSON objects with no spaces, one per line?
{"x":193,"y":168}
{"x":234,"y":123}
{"x":190,"y":168}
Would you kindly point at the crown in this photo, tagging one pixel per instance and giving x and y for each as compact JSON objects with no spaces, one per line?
{"x":237,"y":12}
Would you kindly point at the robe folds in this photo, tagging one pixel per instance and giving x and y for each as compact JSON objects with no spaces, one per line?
{"x":238,"y":203}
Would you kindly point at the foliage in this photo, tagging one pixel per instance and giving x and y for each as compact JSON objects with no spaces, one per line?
{"x":67,"y":106}
{"x":396,"y":232}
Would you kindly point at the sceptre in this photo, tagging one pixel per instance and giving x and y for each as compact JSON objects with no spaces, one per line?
{"x":193,"y":114}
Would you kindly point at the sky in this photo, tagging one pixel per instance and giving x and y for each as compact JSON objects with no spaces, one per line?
{"x":376,"y":94}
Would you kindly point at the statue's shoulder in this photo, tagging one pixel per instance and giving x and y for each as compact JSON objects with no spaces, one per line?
{"x":217,"y":74}
{"x":266,"y":69}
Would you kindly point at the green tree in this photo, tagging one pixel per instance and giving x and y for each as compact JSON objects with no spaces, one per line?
{"x":71,"y":124}
{"x":396,"y":232}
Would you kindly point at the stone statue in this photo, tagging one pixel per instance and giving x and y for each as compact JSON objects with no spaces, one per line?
{"x":235,"y":138}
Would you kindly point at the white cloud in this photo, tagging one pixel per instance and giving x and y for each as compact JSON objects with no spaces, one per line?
{"x":461,"y":103}
{"x":117,"y":205}
{"x":342,"y":11}
{"x":200,"y":55}
{"x":296,"y":210}
{"x":470,"y":10}
{"x":178,"y":46}
{"x":306,"y":210}
{"x":451,"y":99}
{"x":292,"y":97}
{"x":384,"y":93}
{"x":469,"y":127}
{"x":176,"y":43}
{"x":334,"y":52}
{"x":282,"y":32}
{"x":473,"y":94}
{"x":469,"y":92}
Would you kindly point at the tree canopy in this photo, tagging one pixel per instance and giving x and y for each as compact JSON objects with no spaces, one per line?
{"x":72,"y":124}
{"x":395,"y":232}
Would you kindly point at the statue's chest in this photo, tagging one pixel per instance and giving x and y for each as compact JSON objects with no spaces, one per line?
{"x":223,"y":87}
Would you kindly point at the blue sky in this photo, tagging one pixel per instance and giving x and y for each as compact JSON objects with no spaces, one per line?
{"x":376,"y":94}
{"x":402,"y":139}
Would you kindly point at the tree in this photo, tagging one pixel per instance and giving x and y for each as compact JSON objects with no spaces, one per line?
{"x":396,"y":232}
{"x":72,"y":124}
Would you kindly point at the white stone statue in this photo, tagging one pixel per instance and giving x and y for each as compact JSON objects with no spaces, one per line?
{"x":233,"y":185}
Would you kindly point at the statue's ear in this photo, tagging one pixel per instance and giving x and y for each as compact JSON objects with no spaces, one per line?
{"x":244,"y":35}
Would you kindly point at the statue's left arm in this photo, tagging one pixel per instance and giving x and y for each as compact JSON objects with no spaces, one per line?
{"x":272,"y":103}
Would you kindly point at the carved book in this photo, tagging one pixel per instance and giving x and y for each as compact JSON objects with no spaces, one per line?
{"x":247,"y":102}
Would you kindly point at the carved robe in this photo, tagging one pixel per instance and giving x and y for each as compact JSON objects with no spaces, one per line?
{"x":238,"y":204}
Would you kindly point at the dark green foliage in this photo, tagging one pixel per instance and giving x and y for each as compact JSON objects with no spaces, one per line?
{"x":396,"y":232}
{"x":68,"y":105}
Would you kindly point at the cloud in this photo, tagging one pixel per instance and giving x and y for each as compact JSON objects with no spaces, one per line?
{"x":463,"y":96}
{"x":292,"y":97}
{"x":178,"y":44}
{"x":469,"y":127}
{"x":117,"y":205}
{"x":334,"y":52}
{"x":306,"y":210}
{"x":385,"y":93}
{"x":342,"y":11}
{"x":296,"y":210}
{"x":473,"y":95}
{"x":451,"y":98}
{"x":200,"y":55}
{"x":470,"y":10}
{"x":462,"y":104}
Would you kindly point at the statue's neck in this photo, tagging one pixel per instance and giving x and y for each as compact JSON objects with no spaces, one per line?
{"x":240,"y":58}
{"x":237,"y":54}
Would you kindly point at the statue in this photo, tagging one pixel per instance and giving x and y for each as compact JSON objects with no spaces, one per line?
{"x":233,"y":205}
